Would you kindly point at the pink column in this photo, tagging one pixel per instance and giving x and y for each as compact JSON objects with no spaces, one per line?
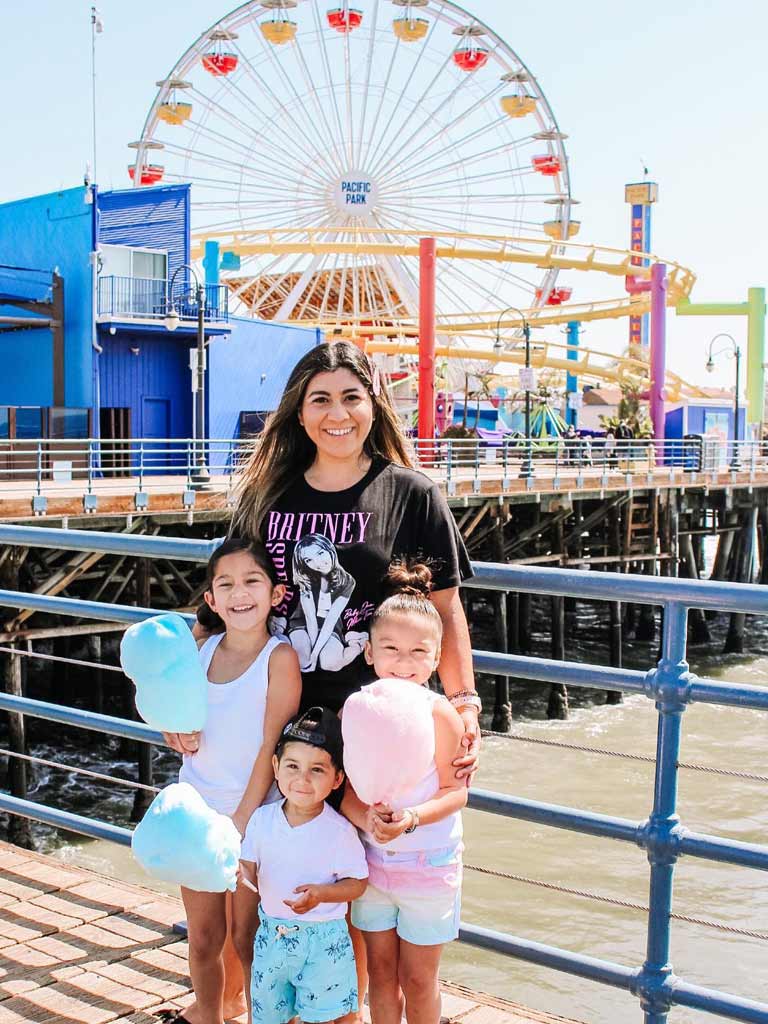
{"x":427,"y":260}
{"x":658,"y":346}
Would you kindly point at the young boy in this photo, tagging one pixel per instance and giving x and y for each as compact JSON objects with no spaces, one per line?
{"x":310,"y":864}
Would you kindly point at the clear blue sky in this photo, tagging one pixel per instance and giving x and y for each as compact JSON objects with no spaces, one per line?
{"x":681,"y":85}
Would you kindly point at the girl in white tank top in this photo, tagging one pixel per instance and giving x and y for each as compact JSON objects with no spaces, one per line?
{"x":414,"y":848}
{"x":254,"y":687}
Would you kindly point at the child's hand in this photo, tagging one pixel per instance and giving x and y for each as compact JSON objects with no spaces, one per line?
{"x":183,"y":742}
{"x":375,"y":815}
{"x":386,"y":831}
{"x":308,"y":900}
{"x":240,"y":822}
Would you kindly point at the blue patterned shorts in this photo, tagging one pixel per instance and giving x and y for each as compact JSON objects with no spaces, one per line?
{"x":305,"y":969}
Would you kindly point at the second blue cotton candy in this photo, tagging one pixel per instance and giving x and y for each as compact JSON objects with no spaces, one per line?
{"x":160,"y":656}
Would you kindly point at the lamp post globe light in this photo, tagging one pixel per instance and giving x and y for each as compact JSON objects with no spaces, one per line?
{"x":735,"y":351}
{"x":526,"y":469}
{"x":200,"y":474}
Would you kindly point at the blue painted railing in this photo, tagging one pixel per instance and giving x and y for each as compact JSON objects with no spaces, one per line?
{"x":148,"y":298}
{"x":670,"y":685}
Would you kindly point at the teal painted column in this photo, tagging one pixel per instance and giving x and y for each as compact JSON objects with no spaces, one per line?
{"x":211,"y":263}
{"x":756,"y":355}
{"x":571,"y":380}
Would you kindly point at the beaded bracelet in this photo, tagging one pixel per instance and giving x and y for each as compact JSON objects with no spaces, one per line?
{"x":466,"y":699}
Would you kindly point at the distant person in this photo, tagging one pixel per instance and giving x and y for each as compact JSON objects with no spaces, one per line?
{"x":609,"y":448}
{"x":570,"y":441}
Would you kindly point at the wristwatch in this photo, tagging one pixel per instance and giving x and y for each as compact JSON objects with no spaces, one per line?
{"x":414,"y":820}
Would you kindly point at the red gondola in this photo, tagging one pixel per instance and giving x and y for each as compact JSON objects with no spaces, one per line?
{"x":344,"y":19}
{"x":470,"y":59}
{"x":556,"y":297}
{"x":220,"y":64}
{"x":547,"y":164}
{"x":150,"y":173}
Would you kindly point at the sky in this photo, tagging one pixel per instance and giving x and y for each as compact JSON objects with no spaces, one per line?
{"x":678,"y":87}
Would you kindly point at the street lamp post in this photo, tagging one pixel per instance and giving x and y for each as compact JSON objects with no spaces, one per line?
{"x":735,"y":351}
{"x":201,"y":474}
{"x":526,"y":470}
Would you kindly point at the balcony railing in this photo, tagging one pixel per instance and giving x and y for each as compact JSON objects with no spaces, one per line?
{"x":669,"y":684}
{"x":146,"y":298}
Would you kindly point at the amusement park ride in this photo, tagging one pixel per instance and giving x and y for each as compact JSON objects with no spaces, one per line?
{"x":324,"y":143}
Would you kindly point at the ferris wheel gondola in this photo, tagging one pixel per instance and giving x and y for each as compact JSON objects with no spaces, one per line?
{"x":364,"y":120}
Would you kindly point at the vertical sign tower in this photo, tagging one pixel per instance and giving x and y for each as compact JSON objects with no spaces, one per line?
{"x":641,"y":196}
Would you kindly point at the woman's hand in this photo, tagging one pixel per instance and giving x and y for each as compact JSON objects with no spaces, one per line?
{"x":469,"y":761}
{"x":183,"y":742}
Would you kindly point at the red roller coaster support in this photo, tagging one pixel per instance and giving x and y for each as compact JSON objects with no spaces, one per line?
{"x":427,"y":260}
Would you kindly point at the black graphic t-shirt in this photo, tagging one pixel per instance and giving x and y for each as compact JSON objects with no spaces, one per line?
{"x":333,"y":549}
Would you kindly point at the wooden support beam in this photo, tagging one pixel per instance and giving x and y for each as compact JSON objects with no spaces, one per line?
{"x":476,"y":519}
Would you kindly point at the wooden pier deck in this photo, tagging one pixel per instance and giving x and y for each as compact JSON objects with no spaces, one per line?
{"x":78,"y":947}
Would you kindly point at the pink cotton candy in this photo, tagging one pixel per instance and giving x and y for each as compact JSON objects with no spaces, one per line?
{"x":389,"y":739}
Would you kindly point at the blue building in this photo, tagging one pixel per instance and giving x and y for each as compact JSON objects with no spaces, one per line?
{"x":113,"y":265}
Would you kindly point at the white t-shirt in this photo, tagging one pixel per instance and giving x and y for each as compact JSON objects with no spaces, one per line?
{"x":319,"y":852}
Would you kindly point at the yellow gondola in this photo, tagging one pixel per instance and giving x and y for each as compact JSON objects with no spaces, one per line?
{"x":278,"y":32}
{"x":174,"y":113}
{"x":556,"y":228}
{"x":410,"y":30}
{"x":518,"y":105}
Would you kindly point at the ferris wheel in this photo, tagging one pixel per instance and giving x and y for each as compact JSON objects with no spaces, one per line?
{"x":337,"y":122}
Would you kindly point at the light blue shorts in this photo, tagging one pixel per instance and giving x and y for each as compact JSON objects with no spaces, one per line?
{"x":302,"y":969}
{"x":417,"y":894}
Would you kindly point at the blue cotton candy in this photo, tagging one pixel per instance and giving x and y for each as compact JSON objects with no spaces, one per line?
{"x":161,"y":657}
{"x":182,"y":841}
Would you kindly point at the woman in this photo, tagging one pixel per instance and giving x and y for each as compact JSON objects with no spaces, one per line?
{"x":331,"y":490}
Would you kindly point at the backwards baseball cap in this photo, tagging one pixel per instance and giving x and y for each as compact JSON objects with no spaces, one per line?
{"x":319,"y":727}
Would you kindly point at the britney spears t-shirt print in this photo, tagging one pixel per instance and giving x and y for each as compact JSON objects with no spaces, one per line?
{"x":317,"y":629}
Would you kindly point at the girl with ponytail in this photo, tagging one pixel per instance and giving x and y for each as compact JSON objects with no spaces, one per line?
{"x":413,"y":848}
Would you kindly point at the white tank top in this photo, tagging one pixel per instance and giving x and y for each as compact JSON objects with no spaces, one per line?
{"x":233,"y":733}
{"x":437,"y":836}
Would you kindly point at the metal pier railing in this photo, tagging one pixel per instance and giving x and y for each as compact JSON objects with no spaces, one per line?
{"x":669,"y":684}
{"x":42,"y":470}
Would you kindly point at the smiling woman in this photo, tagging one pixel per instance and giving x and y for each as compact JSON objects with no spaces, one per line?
{"x":332,"y":492}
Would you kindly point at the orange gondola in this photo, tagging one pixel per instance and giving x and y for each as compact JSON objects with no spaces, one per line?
{"x":410,"y":30}
{"x":556,"y":228}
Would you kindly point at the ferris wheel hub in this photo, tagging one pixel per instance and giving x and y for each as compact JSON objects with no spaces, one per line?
{"x":355,"y":194}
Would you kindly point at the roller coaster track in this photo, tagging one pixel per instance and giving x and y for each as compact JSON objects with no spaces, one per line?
{"x":544,"y":254}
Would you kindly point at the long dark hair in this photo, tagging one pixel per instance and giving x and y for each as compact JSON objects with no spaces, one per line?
{"x":206,"y":616}
{"x":284,"y":452}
